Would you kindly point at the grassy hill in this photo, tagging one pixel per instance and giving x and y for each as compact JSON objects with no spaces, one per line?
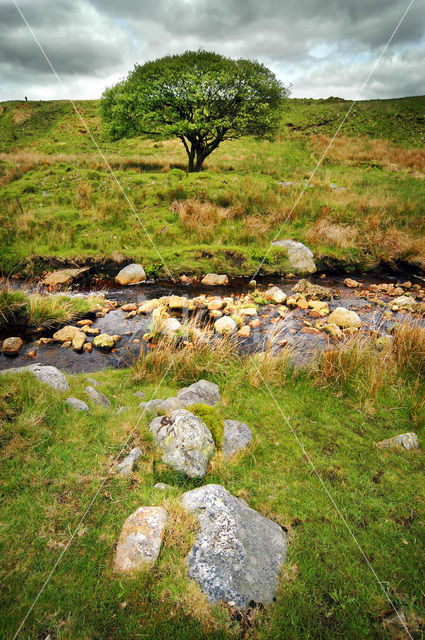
{"x":59,"y":201}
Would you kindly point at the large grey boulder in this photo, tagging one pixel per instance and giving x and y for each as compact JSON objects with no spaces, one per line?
{"x":47,"y":374}
{"x":403,"y":441}
{"x":97,"y":397}
{"x":238,"y":553}
{"x":236,"y":436}
{"x":77,"y":404}
{"x":132,"y":274}
{"x":140,"y":539}
{"x":202,"y":391}
{"x":301,"y":258}
{"x":186,"y":442}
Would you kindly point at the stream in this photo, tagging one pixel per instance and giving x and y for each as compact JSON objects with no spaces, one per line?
{"x":295,"y":330}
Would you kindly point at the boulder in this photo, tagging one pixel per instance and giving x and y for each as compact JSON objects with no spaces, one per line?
{"x":203,"y":392}
{"x":213,"y":279}
{"x":404,"y":441}
{"x":132,"y":274}
{"x":312,"y":291}
{"x":148,"y":306}
{"x":104,"y":341}
{"x":79,"y":405}
{"x":275,"y":295}
{"x":236,"y":436}
{"x":177,"y":303}
{"x":78,"y":340}
{"x":140,"y":539}
{"x":162,"y":486}
{"x":63,"y":277}
{"x":345,"y":318}
{"x":169,"y":327}
{"x":97,"y":397}
{"x":127,"y":465}
{"x":351,"y":284}
{"x":12,"y":346}
{"x":186,"y":442}
{"x":225,"y":325}
{"x":66,"y":334}
{"x":238,"y":553}
{"x":47,"y":374}
{"x":301,"y":259}
{"x":403,"y":302}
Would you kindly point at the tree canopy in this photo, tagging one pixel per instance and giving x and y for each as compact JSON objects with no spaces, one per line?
{"x":202,"y":98}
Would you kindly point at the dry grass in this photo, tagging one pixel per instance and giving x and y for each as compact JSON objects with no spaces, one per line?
{"x":328,"y":232}
{"x":202,"y":217}
{"x":84,"y":194}
{"x":391,"y":244}
{"x":361,"y":151}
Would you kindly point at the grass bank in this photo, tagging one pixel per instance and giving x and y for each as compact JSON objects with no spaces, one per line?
{"x":365,"y":207}
{"x":53,"y":463}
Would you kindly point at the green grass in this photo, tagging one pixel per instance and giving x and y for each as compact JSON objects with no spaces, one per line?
{"x":18,"y":307}
{"x":59,"y":203}
{"x":53,"y":461}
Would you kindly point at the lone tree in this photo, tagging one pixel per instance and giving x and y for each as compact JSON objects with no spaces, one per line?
{"x":199,"y":97}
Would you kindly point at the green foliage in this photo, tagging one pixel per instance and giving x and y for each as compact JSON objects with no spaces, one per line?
{"x":202,"y":98}
{"x":213,"y":419}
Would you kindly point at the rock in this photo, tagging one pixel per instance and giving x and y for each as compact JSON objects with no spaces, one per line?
{"x":91,"y":331}
{"x":215,"y":305}
{"x":127,"y":465}
{"x":87,"y":347}
{"x":154,"y":406}
{"x":12,"y":346}
{"x":139,"y":394}
{"x":169,"y":327}
{"x":132,"y":274}
{"x":104,"y":341}
{"x":275,"y":295}
{"x":84,"y":323}
{"x":63,"y":276}
{"x":351,"y":284}
{"x":247,"y":311}
{"x":185,"y":441}
{"x":148,"y":306}
{"x":244,"y":332}
{"x":344,"y":318}
{"x":79,"y":405}
{"x":47,"y":374}
{"x":318,"y":305}
{"x":203,"y":392}
{"x":333,"y":330}
{"x":66,"y":344}
{"x":162,"y":486}
{"x":312,"y":291}
{"x":238,"y":553}
{"x":97,"y":397}
{"x":66,"y":334}
{"x":121,"y":410}
{"x":177,"y":303}
{"x":405,"y":440}
{"x":78,"y":340}
{"x":403,"y":302}
{"x":301,"y":259}
{"x":92,"y":381}
{"x":225,"y":325}
{"x":215,"y":314}
{"x":140,"y":539}
{"x":213,"y":279}
{"x":236,"y":436}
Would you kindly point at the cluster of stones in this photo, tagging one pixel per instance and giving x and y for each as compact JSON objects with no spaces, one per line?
{"x":405,"y":297}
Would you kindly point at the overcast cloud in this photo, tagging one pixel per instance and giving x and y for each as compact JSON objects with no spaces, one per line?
{"x":321,"y":48}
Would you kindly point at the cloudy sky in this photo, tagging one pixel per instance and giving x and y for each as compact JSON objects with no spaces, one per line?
{"x":322,"y":48}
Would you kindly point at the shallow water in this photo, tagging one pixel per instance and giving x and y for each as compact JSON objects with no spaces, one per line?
{"x":291,"y":329}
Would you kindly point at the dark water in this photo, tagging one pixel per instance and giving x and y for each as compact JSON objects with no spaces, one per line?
{"x":291,"y":329}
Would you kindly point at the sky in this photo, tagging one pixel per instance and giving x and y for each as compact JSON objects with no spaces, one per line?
{"x":321,"y":48}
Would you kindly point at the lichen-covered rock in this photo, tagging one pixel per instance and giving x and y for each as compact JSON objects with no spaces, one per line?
{"x":97,"y":397}
{"x":63,"y":276}
{"x":140,"y":539}
{"x":132,"y":274}
{"x":345,"y":318}
{"x":104,"y":341}
{"x":203,"y":392}
{"x":310,"y":290}
{"x":127,"y":465}
{"x":238,"y":553}
{"x":274,"y":294}
{"x":12,"y":346}
{"x":79,"y":405}
{"x":66,"y":334}
{"x":301,"y":259}
{"x":236,"y":436}
{"x":333,"y":330}
{"x":186,"y":442}
{"x":78,"y":340}
{"x":403,"y":302}
{"x":148,"y":306}
{"x":47,"y":374}
{"x":404,"y":441}
{"x":213,"y":279}
{"x":225,"y":325}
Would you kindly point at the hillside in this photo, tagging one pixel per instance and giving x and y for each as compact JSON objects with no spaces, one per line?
{"x":365,"y":210}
